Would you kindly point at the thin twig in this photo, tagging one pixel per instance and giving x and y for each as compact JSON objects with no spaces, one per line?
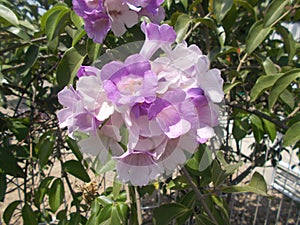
{"x":278,"y":123}
{"x":138,"y":206}
{"x":241,"y":63}
{"x":199,"y":196}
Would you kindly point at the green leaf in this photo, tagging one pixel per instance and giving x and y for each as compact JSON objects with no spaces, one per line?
{"x":164,"y":214}
{"x":8,"y":15}
{"x":257,"y":127}
{"x":77,"y":170}
{"x":54,"y":23}
{"x":274,"y":11}
{"x":46,"y":15}
{"x":182,"y":25}
{"x":292,"y":135}
{"x":257,"y":34}
{"x":69,"y":65}
{"x":281,"y":84}
{"x":31,"y":56}
{"x":110,"y":165}
{"x":262,"y":84}
{"x":9,"y":164}
{"x":227,"y":87}
{"x":178,"y":183}
{"x":288,"y":98}
{"x":9,"y":211}
{"x":289,"y":41}
{"x":270,"y":128}
{"x":29,"y":217}
{"x":19,"y":32}
{"x":257,"y":185}
{"x":241,"y":127}
{"x":207,"y":21}
{"x":56,"y":194}
{"x":78,"y":36}
{"x":45,"y":151}
{"x":117,"y":185}
{"x":41,"y":191}
{"x":93,"y":50}
{"x":203,"y":220}
{"x":75,"y":148}
{"x":257,"y":181}
{"x":221,"y":8}
{"x":206,"y":158}
{"x":77,"y":20}
{"x":248,"y":6}
{"x":169,"y":3}
{"x":269,"y":67}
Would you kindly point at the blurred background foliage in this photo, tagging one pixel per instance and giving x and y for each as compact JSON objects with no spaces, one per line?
{"x":42,"y":45}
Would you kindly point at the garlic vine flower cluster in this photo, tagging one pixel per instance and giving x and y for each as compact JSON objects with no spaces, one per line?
{"x":101,"y":16}
{"x":166,"y":106}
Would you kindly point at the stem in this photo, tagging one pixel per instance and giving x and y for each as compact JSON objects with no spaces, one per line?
{"x":199,"y":196}
{"x":278,"y":123}
{"x":138,"y":206}
{"x":241,"y":62}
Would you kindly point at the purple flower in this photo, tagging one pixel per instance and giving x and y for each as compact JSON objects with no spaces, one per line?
{"x":74,"y":115}
{"x":121,"y":16}
{"x":212,"y":84}
{"x":150,"y":8}
{"x":88,"y":71}
{"x":70,"y":99}
{"x":129,"y":82}
{"x":97,"y":27}
{"x":207,"y":114}
{"x":157,"y":37}
{"x":87,"y":8}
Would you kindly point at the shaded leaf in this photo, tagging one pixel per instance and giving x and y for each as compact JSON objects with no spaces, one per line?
{"x":56,"y":194}
{"x":164,"y":214}
{"x":77,"y":170}
{"x":208,"y":22}
{"x":29,"y":217}
{"x":281,"y":84}
{"x":8,"y":15}
{"x":248,"y":6}
{"x":45,"y":151}
{"x":292,"y":135}
{"x":227,"y":87}
{"x":93,"y":50}
{"x":69,"y":65}
{"x":31,"y":56}
{"x":289,"y":41}
{"x":221,"y":8}
{"x":42,"y":190}
{"x":182,"y":25}
{"x":274,"y":11}
{"x":257,"y":127}
{"x":3,"y":186}
{"x":262,"y":84}
{"x":9,"y":211}
{"x":75,"y":148}
{"x":257,"y":34}
{"x":9,"y":164}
